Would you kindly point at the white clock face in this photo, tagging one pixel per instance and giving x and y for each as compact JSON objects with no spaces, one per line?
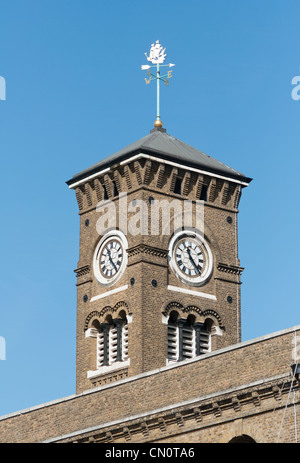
{"x":190,"y":258}
{"x":110,"y":258}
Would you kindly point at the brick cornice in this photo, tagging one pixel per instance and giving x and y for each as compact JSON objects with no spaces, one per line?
{"x":232,"y":269}
{"x":149,"y":250}
{"x":188,"y":417}
{"x":81,"y":271}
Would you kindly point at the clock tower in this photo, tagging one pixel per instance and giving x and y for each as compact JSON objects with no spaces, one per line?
{"x":158,"y":276}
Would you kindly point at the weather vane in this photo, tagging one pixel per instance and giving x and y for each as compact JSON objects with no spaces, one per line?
{"x":157,"y":56}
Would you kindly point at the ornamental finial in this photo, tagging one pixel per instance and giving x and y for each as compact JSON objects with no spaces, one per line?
{"x":157,"y":56}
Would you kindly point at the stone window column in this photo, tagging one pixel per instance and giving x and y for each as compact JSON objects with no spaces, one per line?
{"x":105,"y":329}
{"x":197,"y":327}
{"x":118,"y":322}
{"x":180,"y":323}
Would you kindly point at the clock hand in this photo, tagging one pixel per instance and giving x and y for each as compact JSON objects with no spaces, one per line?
{"x":110,"y":259}
{"x":112,"y":262}
{"x":192,"y":260}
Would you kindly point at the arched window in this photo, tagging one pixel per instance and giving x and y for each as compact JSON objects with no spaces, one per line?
{"x":108,"y":343}
{"x":112,"y":341}
{"x":187,"y":338}
{"x":242,"y":439}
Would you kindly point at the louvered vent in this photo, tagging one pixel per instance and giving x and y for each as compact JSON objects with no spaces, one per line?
{"x":125,"y":341}
{"x":172,"y":343}
{"x":113,"y":344}
{"x":188,"y":342}
{"x":100,"y":349}
{"x":204,"y":341}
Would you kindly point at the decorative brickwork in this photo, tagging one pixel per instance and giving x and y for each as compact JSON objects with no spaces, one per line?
{"x":148,"y":261}
{"x":122,"y":305}
{"x":128,"y":386}
{"x":203,"y":315}
{"x":240,"y":390}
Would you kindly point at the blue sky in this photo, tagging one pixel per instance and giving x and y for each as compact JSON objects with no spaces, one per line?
{"x":76,"y":94}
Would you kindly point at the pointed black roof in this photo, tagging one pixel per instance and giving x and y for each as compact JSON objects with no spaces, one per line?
{"x":164,"y":146}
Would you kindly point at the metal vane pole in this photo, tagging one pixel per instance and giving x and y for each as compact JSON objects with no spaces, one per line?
{"x":157,"y":102}
{"x":157,"y":56}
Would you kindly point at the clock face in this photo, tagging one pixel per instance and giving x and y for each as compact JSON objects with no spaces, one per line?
{"x":190,"y":258}
{"x":110,"y":258}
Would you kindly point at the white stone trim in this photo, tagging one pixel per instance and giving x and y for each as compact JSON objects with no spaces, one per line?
{"x":181,"y":166}
{"x":91,"y":333}
{"x":191,"y":292}
{"x":216,"y":331}
{"x":86,"y":179}
{"x":164,"y":161}
{"x":108,"y":368}
{"x":164,"y":319}
{"x":109,"y":293}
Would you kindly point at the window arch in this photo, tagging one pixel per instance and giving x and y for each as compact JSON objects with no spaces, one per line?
{"x":112,"y":340}
{"x":187,"y":338}
{"x":108,"y":340}
{"x":242,"y":439}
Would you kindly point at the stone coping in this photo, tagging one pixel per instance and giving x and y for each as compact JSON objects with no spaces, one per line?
{"x":153,"y":372}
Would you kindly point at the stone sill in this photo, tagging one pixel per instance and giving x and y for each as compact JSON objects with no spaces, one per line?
{"x":108,"y":369}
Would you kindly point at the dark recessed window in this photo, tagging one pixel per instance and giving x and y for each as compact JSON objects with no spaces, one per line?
{"x":203,"y":195}
{"x":115,"y":189}
{"x":177,"y":187}
{"x":105,"y":195}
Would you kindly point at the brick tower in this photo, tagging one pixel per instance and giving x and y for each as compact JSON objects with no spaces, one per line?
{"x":159,"y":357}
{"x":158,"y":277}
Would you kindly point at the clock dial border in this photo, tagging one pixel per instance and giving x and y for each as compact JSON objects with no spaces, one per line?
{"x":195,"y":272}
{"x":106,"y":279}
{"x":189,"y":257}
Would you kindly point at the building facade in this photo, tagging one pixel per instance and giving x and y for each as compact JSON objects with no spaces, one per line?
{"x":159,"y":351}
